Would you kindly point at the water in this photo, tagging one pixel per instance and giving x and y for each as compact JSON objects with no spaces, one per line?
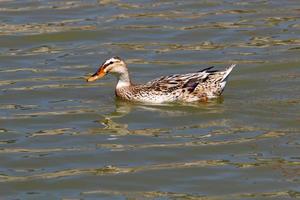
{"x":62,"y":138}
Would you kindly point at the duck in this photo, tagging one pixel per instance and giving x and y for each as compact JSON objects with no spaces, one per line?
{"x":198,"y":86}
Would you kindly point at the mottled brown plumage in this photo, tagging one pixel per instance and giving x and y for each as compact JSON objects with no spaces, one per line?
{"x":198,"y":86}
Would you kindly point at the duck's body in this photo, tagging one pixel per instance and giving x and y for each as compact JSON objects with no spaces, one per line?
{"x":200,"y":86}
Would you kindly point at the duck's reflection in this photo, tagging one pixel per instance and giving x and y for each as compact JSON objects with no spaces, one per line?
{"x":111,"y":125}
{"x":172,"y":109}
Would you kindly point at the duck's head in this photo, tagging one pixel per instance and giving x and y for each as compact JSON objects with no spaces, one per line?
{"x":114,"y":65}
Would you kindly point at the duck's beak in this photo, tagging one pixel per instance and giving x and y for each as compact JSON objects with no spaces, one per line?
{"x":99,"y":74}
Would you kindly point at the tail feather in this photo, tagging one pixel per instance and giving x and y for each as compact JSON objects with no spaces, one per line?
{"x":227,"y":72}
{"x":216,"y":82}
{"x":223,"y":81}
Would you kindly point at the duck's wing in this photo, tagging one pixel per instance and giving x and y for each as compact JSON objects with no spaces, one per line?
{"x":178,"y":81}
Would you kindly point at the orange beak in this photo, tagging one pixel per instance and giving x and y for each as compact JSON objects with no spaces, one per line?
{"x":97,"y":75}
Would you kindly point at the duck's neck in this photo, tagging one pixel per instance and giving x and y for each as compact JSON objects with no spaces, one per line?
{"x":123,"y":80}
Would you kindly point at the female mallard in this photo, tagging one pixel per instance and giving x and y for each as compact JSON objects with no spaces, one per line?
{"x":199,"y":86}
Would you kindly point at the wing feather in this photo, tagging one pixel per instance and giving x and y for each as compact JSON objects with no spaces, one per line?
{"x":178,"y":81}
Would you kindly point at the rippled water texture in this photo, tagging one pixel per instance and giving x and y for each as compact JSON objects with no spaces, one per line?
{"x":61,"y":138}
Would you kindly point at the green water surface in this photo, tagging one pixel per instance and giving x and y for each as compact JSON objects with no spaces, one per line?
{"x":62,"y":138}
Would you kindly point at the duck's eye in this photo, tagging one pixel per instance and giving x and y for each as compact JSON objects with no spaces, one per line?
{"x":111,"y":62}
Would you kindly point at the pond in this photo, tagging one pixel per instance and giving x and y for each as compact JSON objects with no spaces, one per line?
{"x":63,"y":138}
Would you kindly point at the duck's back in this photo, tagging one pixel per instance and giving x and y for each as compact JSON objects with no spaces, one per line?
{"x":198,"y":86}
